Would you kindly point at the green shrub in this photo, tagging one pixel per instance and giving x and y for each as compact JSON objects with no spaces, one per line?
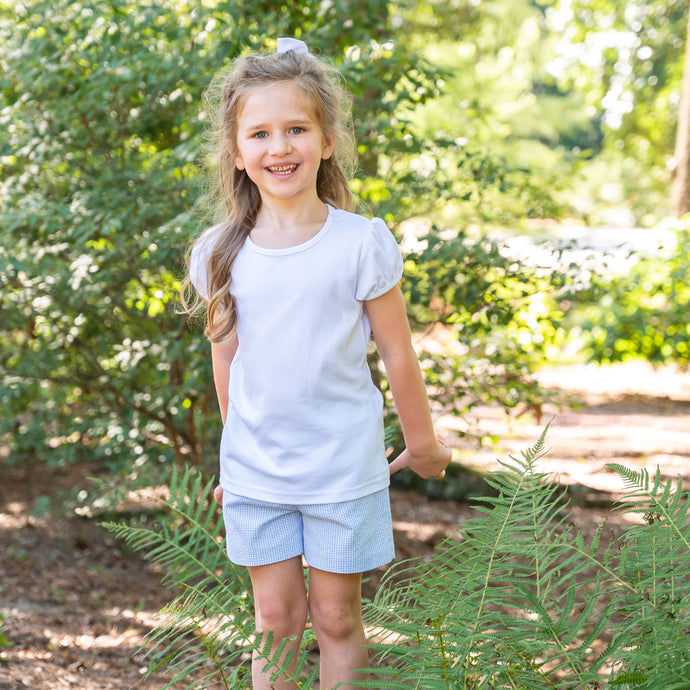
{"x":102,"y":151}
{"x":517,"y":599}
{"x":497,"y":317}
{"x":644,"y":313}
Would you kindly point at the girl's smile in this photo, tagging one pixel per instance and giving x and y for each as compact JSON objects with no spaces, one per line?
{"x":282,"y":169}
{"x":280,"y":144}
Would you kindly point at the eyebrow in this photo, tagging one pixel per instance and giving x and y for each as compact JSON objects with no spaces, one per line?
{"x":289,"y":123}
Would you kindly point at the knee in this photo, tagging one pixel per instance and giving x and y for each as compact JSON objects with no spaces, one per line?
{"x":282,"y":617}
{"x":336,"y":622}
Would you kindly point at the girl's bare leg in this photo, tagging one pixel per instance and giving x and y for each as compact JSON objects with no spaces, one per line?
{"x":335,"y":608}
{"x":281,"y":607}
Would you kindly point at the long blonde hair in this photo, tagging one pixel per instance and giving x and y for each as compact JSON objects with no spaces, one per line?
{"x":237,"y":196}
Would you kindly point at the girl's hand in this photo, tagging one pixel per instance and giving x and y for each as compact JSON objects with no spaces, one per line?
{"x":429,"y":464}
{"x":218,"y":495}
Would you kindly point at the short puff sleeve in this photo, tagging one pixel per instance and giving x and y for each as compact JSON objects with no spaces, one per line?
{"x":380,"y":262}
{"x":198,"y":261}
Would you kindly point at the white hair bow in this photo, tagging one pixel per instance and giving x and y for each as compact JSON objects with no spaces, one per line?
{"x":285,"y":44}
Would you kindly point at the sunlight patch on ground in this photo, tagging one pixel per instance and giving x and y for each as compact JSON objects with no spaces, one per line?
{"x":424,"y":531}
{"x":626,"y":378}
{"x":129,"y":638}
{"x":15,"y":512}
{"x":632,"y":414}
{"x":56,"y":637}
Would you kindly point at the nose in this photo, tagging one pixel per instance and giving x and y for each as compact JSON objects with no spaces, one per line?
{"x":280,"y":145}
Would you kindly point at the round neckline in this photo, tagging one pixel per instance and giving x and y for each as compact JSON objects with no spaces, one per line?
{"x":249,"y":242}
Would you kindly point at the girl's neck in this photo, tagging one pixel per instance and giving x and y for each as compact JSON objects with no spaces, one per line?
{"x":279,"y":226}
{"x":277,"y":217}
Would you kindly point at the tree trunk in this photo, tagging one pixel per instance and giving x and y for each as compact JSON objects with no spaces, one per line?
{"x":680,"y":188}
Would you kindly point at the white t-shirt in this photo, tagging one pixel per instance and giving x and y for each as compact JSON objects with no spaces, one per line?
{"x":305,"y":420}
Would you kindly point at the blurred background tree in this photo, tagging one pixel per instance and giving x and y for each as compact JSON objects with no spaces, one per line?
{"x":681,"y":164}
{"x":472,"y":118}
{"x":628,"y":60}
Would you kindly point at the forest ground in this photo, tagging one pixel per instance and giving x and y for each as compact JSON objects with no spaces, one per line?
{"x":76,"y":604}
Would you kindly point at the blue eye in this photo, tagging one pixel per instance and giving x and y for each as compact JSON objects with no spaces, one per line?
{"x":296,"y":130}
{"x":260,"y":135}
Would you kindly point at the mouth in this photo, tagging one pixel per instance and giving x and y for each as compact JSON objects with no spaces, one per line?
{"x":282,"y":169}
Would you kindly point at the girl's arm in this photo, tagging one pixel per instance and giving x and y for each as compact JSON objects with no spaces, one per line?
{"x":222,"y":355}
{"x":423,"y":453}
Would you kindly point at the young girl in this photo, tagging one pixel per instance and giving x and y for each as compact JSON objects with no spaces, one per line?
{"x":294,"y":285}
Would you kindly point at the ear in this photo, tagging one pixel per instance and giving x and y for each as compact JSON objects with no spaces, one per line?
{"x":237,"y":158}
{"x":239,"y":161}
{"x":328,"y":146}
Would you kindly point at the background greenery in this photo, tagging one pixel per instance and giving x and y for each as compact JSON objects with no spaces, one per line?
{"x":476,"y":120}
{"x":475,"y":116}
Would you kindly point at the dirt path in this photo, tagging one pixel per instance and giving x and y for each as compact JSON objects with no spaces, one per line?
{"x":630,"y":414}
{"x":76,"y":606}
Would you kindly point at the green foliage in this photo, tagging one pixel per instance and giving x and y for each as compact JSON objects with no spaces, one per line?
{"x":639,"y":52}
{"x":656,"y":562}
{"x":102,"y":186}
{"x":546,"y":93}
{"x":99,"y":120}
{"x":644,"y":313}
{"x":101,"y":189}
{"x":4,"y":642}
{"x":514,"y":602}
{"x":509,"y":134}
{"x":517,"y":599}
{"x":491,"y":317}
{"x":205,"y":630}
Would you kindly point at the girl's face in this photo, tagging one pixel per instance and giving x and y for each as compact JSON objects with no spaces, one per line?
{"x":280,"y":144}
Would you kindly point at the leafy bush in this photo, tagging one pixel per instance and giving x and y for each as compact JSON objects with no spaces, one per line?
{"x":644,"y":313}
{"x":493,"y":320}
{"x":517,"y":599}
{"x":98,"y":144}
{"x":101,"y":157}
{"x":101,"y":152}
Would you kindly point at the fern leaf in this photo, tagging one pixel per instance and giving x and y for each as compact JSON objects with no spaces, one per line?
{"x":655,"y":560}
{"x":631,"y":677}
{"x":485,"y":611}
{"x":518,"y":599}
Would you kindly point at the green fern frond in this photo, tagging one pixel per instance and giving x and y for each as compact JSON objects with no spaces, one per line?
{"x":204,"y":631}
{"x":519,"y":599}
{"x":193,"y":641}
{"x":538,"y":450}
{"x":191,"y":548}
{"x":627,"y":678}
{"x":634,"y":479}
{"x":206,"y":635}
{"x":503,"y":603}
{"x":660,"y":501}
{"x":655,"y":561}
